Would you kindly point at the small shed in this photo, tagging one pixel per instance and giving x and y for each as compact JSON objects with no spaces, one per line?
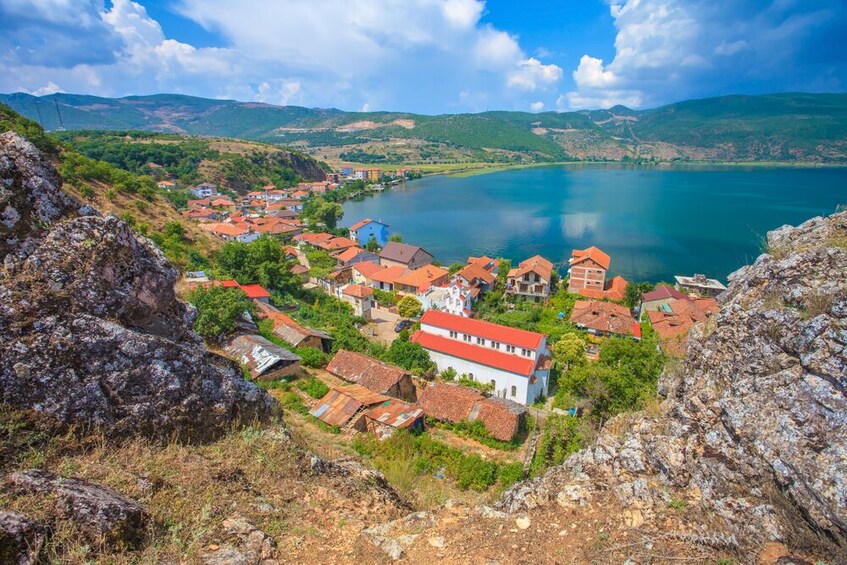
{"x":264,"y":360}
{"x":344,"y":405}
{"x":393,"y":415}
{"x":373,"y":374}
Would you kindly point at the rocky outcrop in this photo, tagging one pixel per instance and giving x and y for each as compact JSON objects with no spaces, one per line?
{"x":101,"y":515}
{"x":753,"y":428}
{"x":90,"y":328}
{"x":21,"y":538}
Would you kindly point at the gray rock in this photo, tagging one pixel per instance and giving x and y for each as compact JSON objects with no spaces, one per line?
{"x":249,"y":545}
{"x":754,"y":422}
{"x":21,"y":538}
{"x":100,"y":513}
{"x":91,"y":330}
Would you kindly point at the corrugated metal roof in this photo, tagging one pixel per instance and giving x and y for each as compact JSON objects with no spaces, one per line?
{"x":395,"y":413}
{"x":258,"y":354}
{"x":341,"y":403}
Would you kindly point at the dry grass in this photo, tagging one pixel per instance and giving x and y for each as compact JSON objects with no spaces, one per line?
{"x":815,"y":304}
{"x":255,"y":472}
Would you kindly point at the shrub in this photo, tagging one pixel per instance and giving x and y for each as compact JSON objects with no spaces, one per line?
{"x":218,"y":308}
{"x":313,"y":387}
{"x":312,"y":357}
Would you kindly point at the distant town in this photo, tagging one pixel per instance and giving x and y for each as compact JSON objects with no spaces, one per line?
{"x":481,"y":371}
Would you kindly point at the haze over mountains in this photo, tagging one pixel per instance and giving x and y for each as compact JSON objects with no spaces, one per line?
{"x":789,"y":127}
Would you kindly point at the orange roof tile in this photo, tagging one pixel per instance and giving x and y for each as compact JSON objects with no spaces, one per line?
{"x":349,"y":254}
{"x":426,"y":275}
{"x":361,"y":369}
{"x":367,"y":268}
{"x":614,"y":289}
{"x":388,"y":274}
{"x":358,"y":290}
{"x":230,"y":230}
{"x":536,"y":264}
{"x":487,"y":330}
{"x":593,"y":253}
{"x":604,"y":317}
{"x":448,"y":402}
{"x":254,"y":291}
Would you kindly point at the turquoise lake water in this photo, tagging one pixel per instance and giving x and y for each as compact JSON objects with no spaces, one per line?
{"x":654,"y":222}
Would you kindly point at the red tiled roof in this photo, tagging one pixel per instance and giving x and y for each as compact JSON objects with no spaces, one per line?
{"x":487,"y":330}
{"x":605,"y":317}
{"x":683,"y":315}
{"x":299,"y":269}
{"x":228,"y":229}
{"x":388,"y":274}
{"x":474,"y":353}
{"x":448,"y":402}
{"x":366,"y":371}
{"x":254,"y":291}
{"x":336,"y":243}
{"x":358,"y":290}
{"x":349,"y":254}
{"x":312,"y":238}
{"x":423,"y":276}
{"x":367,"y":268}
{"x":502,"y":419}
{"x":663,"y":292}
{"x":536,"y":264}
{"x":593,"y":253}
{"x":475,"y":271}
{"x":361,"y":224}
{"x":614,"y":289}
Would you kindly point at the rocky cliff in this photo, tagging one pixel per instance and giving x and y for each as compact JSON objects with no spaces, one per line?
{"x":90,"y":328}
{"x":752,"y":435}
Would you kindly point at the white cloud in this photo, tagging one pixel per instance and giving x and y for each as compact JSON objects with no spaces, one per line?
{"x":667,"y":50}
{"x":390,"y":54}
{"x":727,"y":48}
{"x":536,"y":106}
{"x":531,"y":74}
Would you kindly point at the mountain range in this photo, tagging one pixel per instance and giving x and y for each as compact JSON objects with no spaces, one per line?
{"x":788,"y":127}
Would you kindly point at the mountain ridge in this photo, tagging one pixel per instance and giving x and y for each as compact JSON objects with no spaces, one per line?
{"x":786,"y":127}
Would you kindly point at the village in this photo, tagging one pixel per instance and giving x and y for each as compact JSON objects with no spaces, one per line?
{"x":492,"y":390}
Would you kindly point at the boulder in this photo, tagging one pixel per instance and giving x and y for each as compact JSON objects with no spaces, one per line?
{"x":101,"y":514}
{"x":91,"y":330}
{"x":21,"y":538}
{"x":753,"y":428}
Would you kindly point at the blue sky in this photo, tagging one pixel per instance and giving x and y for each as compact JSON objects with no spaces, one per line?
{"x":428,"y":56}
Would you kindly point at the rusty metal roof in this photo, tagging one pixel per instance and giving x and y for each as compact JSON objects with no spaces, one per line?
{"x":341,"y":403}
{"x":395,"y":413}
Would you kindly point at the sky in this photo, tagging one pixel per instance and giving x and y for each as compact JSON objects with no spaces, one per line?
{"x":426,"y":56}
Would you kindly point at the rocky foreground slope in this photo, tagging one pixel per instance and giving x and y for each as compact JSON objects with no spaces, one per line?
{"x":91,"y":331}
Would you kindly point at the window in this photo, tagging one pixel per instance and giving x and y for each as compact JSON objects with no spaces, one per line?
{"x":453,"y":334}
{"x":510,"y":348}
{"x":470,"y":376}
{"x":480,"y":341}
{"x":495,"y":344}
{"x":466,"y":337}
{"x":514,"y":391}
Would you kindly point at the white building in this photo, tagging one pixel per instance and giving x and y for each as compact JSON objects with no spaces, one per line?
{"x":517,"y":362}
{"x":205,"y":190}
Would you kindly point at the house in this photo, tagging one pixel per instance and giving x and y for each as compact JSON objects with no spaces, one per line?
{"x":312,"y":239}
{"x":165,"y":184}
{"x":335,"y":244}
{"x":336,"y":280}
{"x":391,"y":415}
{"x":360,"y":174}
{"x":360,"y":297}
{"x":452,"y":403}
{"x":364,"y":271}
{"x":222,"y":202}
{"x":369,"y":229}
{"x":605,"y":318}
{"x":372,"y":175}
{"x":263,"y":359}
{"x":614,"y":289}
{"x":699,"y":285}
{"x":373,"y":374}
{"x":516,"y":362}
{"x":401,"y":254}
{"x":232,"y":232}
{"x":301,"y":272}
{"x":531,"y":280}
{"x":205,"y":189}
{"x":657,"y":299}
{"x":673,"y":322}
{"x":386,"y":278}
{"x":455,"y":298}
{"x":346,"y":170}
{"x":420,"y":279}
{"x":480,"y":272}
{"x":256,"y":292}
{"x":587,"y":269}
{"x":344,"y":406}
{"x":293,"y":333}
{"x":353,"y":255}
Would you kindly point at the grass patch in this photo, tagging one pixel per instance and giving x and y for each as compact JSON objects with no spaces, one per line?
{"x":313,"y":387}
{"x":816,"y":303}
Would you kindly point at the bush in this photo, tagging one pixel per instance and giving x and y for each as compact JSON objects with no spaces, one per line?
{"x":313,"y":387}
{"x":312,"y":357}
{"x":560,"y":438}
{"x":218,"y":308}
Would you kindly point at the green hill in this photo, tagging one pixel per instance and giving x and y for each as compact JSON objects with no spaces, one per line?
{"x":789,"y":127}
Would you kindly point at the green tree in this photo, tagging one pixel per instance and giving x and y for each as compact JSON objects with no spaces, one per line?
{"x":395,"y":237}
{"x":409,"y":355}
{"x":409,"y":307}
{"x":372,"y":245}
{"x":569,"y":350}
{"x":330,"y":213}
{"x":634,"y":291}
{"x":218,"y":308}
{"x":455,"y":268}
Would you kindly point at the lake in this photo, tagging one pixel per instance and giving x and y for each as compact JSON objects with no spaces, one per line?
{"x":655,"y":222}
